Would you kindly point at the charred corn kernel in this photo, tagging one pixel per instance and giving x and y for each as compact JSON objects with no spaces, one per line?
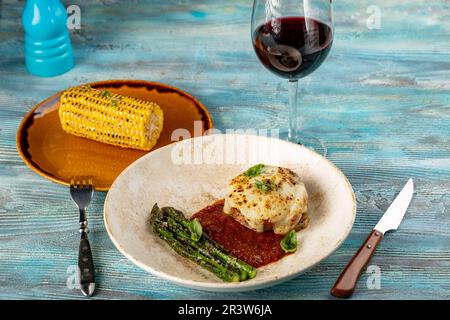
{"x":110,"y":118}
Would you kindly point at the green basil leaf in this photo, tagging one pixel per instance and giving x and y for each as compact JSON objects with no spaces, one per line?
{"x":289,"y":242}
{"x":254,"y":171}
{"x":196,"y":229}
{"x":263,"y":186}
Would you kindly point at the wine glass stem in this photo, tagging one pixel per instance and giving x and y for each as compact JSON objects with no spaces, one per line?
{"x":293,"y":111}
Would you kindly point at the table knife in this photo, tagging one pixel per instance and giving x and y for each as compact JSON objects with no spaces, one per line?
{"x":346,"y":283}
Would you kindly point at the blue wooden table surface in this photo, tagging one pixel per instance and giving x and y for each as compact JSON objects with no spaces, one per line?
{"x":380,"y":102}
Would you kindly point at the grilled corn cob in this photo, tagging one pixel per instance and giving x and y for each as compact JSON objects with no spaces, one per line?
{"x":110,"y":118}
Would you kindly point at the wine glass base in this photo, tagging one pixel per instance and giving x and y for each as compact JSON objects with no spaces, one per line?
{"x":306,"y":140}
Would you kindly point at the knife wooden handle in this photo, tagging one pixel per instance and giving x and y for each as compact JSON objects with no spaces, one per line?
{"x":346,"y":283}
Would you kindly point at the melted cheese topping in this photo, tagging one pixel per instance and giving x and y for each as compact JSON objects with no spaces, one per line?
{"x":273,"y":199}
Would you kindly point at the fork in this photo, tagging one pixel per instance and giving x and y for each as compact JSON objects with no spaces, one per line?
{"x":81,"y":192}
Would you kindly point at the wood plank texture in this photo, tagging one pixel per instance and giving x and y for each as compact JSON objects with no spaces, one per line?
{"x":380,"y":102}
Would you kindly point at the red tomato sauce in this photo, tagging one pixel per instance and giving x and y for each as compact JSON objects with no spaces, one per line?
{"x":255,"y":248}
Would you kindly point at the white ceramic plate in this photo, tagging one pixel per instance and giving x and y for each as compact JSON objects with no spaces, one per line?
{"x":193,"y":173}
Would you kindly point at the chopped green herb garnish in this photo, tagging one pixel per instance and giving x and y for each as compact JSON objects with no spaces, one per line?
{"x":254,"y":171}
{"x":114,"y":102}
{"x":264,"y":186}
{"x":105,"y":93}
{"x":289,"y":242}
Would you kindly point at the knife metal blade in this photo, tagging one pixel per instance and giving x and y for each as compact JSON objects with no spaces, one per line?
{"x":396,"y":211}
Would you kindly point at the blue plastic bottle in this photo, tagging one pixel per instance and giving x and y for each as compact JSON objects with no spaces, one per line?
{"x":48,"y":51}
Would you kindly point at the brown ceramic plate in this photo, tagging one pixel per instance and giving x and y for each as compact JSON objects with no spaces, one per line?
{"x":60,"y":157}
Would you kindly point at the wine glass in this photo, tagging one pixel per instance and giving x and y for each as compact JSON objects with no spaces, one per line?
{"x":291,"y":39}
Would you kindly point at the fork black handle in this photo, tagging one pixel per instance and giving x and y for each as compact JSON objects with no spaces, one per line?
{"x":85,"y":261}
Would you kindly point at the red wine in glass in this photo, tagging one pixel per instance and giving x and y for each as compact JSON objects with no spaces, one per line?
{"x":292,"y":38}
{"x":292,"y":47}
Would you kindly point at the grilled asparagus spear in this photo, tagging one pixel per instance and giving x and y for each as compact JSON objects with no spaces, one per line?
{"x":188,"y":252}
{"x":171,"y":225}
{"x":246,"y":270}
